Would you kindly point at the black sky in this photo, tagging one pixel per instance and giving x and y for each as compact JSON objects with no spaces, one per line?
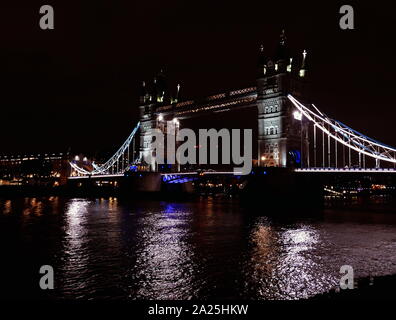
{"x":77,"y":86}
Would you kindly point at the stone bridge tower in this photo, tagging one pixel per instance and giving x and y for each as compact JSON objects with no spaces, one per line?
{"x":282,"y":135}
{"x":151,"y":98}
{"x":147,"y":122}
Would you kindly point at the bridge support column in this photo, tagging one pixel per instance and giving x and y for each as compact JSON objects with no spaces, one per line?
{"x":360,"y":160}
{"x":314,"y":136}
{"x":282,"y":137}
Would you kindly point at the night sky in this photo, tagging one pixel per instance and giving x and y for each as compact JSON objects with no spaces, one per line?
{"x":77,"y":86}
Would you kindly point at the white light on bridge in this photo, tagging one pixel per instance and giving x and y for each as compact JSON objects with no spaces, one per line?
{"x":160,"y":117}
{"x":77,"y":158}
{"x":297,"y":115}
{"x":263,"y":158}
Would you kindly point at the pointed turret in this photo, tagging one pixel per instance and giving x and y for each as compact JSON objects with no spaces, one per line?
{"x":143,"y":93}
{"x":282,"y":54}
{"x":178,"y":92}
{"x":303,"y":70}
{"x":160,"y":87}
{"x":262,"y":62}
{"x":153,"y":91}
{"x":290,"y":65}
{"x":176,"y":97}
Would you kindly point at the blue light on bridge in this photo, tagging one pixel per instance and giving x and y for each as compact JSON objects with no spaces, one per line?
{"x":176,"y":179}
{"x":296,"y":156}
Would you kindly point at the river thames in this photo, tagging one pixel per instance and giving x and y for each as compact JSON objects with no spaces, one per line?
{"x":209,"y":248}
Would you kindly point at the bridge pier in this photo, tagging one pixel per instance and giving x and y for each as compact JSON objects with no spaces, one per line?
{"x":273,"y":190}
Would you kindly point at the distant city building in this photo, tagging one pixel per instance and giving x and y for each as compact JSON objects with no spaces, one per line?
{"x":49,"y":169}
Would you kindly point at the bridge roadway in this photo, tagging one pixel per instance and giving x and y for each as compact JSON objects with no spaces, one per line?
{"x":299,"y":170}
{"x":345,"y":170}
{"x":197,"y":173}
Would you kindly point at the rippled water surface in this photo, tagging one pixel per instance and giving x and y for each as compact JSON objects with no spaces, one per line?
{"x":105,"y":248}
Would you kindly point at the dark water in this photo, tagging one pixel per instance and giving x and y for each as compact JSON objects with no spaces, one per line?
{"x":104,"y":248}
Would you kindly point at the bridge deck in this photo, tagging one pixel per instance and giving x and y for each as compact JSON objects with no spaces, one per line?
{"x":347,"y":170}
{"x":299,"y":170}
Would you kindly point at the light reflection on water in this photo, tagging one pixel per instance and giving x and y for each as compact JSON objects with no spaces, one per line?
{"x":164,"y":264}
{"x":208,"y":249}
{"x":75,"y":253}
{"x":283,"y":264}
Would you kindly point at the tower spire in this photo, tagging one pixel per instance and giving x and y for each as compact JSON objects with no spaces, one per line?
{"x":282,"y":40}
{"x":303,"y":69}
{"x":262,"y":62}
{"x":160,"y":87}
{"x":143,"y":92}
{"x":176,"y":98}
{"x":177,"y":91}
{"x":282,"y":55}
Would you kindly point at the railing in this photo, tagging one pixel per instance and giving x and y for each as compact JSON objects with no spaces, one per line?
{"x":347,"y":170}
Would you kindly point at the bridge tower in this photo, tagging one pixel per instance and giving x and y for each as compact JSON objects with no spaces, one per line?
{"x":150,"y":98}
{"x":282,"y":133}
{"x":147,"y":121}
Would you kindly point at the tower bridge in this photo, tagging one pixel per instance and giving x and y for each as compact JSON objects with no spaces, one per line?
{"x":291,"y":131}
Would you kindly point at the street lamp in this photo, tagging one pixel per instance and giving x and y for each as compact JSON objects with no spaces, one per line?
{"x":297,"y":115}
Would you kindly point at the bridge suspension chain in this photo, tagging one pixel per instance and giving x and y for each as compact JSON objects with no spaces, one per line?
{"x":114,"y":161}
{"x":346,"y":136}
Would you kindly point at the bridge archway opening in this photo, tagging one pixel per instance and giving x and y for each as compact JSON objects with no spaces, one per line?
{"x":232,"y":119}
